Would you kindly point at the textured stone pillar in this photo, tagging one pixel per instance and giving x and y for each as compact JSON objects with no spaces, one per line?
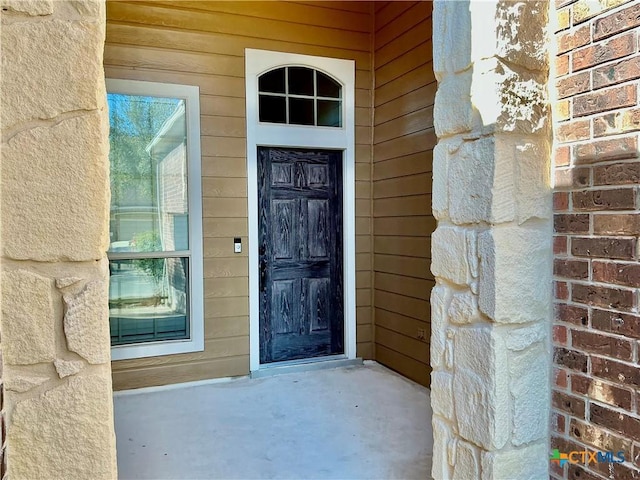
{"x":54,"y":234}
{"x":491,"y":252}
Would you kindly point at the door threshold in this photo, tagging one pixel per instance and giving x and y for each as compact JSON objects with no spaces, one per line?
{"x":305,"y":365}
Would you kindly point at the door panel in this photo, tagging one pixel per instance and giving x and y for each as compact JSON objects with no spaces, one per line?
{"x":283,"y":303}
{"x":300,"y":235}
{"x":319,"y":299}
{"x":281,"y":174}
{"x":318,"y":235}
{"x":283,"y":229}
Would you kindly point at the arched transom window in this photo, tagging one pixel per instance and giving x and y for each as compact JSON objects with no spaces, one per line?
{"x":299,"y":96}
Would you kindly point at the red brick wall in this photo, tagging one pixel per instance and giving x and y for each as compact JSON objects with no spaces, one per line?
{"x":596,"y":397}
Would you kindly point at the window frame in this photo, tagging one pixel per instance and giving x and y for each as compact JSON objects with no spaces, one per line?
{"x":195,"y":343}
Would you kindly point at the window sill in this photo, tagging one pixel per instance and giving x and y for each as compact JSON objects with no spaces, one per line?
{"x":156,"y":349}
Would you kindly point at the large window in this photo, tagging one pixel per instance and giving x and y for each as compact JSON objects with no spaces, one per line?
{"x":155,"y":252}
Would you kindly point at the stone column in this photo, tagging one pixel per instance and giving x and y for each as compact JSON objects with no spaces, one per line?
{"x":491,"y":252}
{"x":54,"y":210}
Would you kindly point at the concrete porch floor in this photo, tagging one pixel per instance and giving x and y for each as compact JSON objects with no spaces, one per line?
{"x":359,"y":422}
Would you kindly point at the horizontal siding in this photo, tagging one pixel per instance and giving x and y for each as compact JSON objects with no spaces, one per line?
{"x":404,"y":166}
{"x":386,"y":14}
{"x":403,"y":141}
{"x":415,"y":226}
{"x":402,"y":284}
{"x":408,"y":366}
{"x":307,"y":30}
{"x":407,"y":205}
{"x":202,"y":43}
{"x":405,"y":84}
{"x":406,"y":103}
{"x":295,"y":13}
{"x":397,"y":189}
{"x":398,"y":17}
{"x":412,"y":122}
{"x":416,"y":247}
{"x":177,"y":372}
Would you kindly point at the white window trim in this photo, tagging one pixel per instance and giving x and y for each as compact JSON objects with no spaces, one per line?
{"x":191,"y":95}
{"x":282,"y":135}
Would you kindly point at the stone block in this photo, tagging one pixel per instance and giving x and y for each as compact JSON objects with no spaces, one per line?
{"x":442,"y":435}
{"x":67,"y":431}
{"x":55,"y":191}
{"x":24,"y":383}
{"x":529,"y":386}
{"x":451,"y":37}
{"x":448,"y":350}
{"x":512,"y":180}
{"x":66,"y":282}
{"x":464,"y":308}
{"x":508,"y":100}
{"x":451,"y":450}
{"x":66,"y":368}
{"x":515,"y":274}
{"x":474,"y":286}
{"x":449,"y":254}
{"x":89,"y":8}
{"x":480,"y":387}
{"x":484,"y":37}
{"x":28,"y":318}
{"x":520,"y":338}
{"x":523,"y":101}
{"x":494,"y":179}
{"x":472,"y":252}
{"x":442,"y":394}
{"x":50,"y":68}
{"x":440,"y":190}
{"x":470,"y":183}
{"x":521,"y":33}
{"x":32,"y":8}
{"x":532,"y":180}
{"x":528,"y":463}
{"x":467,"y":464}
{"x":453,"y":111}
{"x":86,"y":322}
{"x":440,"y":297}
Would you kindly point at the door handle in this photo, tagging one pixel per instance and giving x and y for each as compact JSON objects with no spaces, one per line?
{"x":263,"y":275}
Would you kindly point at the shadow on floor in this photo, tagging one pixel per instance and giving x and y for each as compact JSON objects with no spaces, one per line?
{"x":360,"y":422}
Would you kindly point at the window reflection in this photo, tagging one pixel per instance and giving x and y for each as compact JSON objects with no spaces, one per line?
{"x":148,"y":300}
{"x":149,"y":198}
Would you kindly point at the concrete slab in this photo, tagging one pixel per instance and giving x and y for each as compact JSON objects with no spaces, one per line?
{"x":359,"y":422}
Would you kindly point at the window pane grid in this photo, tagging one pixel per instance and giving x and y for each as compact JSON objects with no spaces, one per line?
{"x":326,"y":109}
{"x":282,"y":95}
{"x":286,"y":91}
{"x":315,"y":99}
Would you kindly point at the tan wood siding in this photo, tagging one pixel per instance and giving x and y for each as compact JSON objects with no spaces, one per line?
{"x":403,"y":141}
{"x":202,"y":43}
